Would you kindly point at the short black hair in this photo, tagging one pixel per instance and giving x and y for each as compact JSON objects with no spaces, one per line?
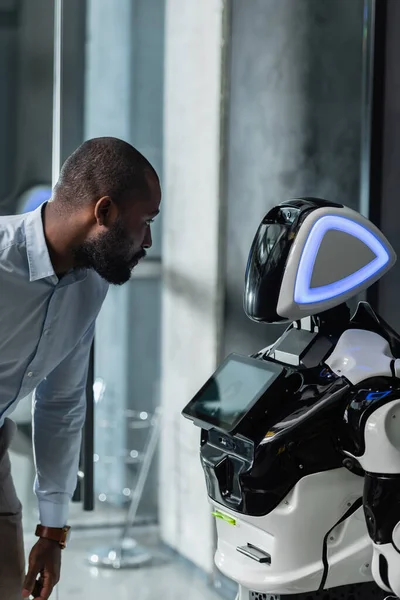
{"x":103,"y":166}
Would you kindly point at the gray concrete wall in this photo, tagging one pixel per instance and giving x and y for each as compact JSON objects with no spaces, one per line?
{"x":294,"y":125}
{"x":191,"y":290}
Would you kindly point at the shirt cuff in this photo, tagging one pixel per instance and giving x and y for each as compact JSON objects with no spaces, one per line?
{"x":53,"y":515}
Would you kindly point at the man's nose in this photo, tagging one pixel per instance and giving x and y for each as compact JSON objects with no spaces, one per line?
{"x":147,"y":242}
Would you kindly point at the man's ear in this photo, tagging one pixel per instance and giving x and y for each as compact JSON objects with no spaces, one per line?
{"x":103,"y":211}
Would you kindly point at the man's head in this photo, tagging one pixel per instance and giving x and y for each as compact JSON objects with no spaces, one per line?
{"x":112,"y":193}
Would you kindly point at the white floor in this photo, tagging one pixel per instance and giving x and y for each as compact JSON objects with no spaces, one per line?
{"x":167,"y":578}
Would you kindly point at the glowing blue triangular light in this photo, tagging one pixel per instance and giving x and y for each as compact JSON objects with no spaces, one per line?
{"x":303,"y":293}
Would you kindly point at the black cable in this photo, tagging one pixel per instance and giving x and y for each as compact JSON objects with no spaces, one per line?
{"x":392,"y":368}
{"x":353,"y":508}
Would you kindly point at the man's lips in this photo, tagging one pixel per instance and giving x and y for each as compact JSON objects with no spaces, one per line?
{"x":137,"y":258}
{"x":136,"y":261}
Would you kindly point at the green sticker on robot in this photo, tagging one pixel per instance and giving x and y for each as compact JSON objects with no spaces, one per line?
{"x":227,"y":518}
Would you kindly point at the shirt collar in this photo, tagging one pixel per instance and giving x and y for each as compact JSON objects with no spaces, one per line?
{"x":40,"y":265}
{"x":38,"y":255}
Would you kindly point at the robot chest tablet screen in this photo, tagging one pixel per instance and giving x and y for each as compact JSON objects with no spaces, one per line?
{"x":230,"y":393}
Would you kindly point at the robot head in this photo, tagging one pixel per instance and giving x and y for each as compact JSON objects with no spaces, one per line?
{"x":309,"y":256}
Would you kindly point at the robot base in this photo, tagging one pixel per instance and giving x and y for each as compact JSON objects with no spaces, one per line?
{"x":362,"y":591}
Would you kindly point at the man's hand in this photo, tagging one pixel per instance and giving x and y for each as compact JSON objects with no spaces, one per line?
{"x":44,"y":560}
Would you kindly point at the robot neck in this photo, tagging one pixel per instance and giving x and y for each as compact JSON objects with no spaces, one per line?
{"x":333,"y":321}
{"x":308,"y":340}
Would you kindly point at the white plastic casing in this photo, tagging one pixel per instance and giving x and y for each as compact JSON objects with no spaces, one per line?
{"x":360,"y":355}
{"x":293,"y":535}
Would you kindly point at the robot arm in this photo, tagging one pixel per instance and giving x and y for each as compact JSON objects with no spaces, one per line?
{"x":375,"y":415}
{"x":381,"y":462}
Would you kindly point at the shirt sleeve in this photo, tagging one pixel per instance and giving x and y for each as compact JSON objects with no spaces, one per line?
{"x":59,"y":411}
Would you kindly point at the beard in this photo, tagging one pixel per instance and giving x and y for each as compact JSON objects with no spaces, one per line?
{"x":110,"y":255}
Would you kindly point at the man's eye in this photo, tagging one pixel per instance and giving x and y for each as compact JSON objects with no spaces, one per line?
{"x":149,"y":221}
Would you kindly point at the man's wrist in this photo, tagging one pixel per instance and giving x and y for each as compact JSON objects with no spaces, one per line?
{"x":59,"y":535}
{"x":49,"y":543}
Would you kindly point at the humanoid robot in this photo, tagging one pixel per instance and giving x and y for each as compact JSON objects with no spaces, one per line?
{"x":300,"y":443}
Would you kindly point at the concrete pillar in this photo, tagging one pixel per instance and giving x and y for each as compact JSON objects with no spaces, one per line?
{"x":191,"y":290}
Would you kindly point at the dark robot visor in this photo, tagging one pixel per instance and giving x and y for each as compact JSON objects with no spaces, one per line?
{"x":265,"y":269}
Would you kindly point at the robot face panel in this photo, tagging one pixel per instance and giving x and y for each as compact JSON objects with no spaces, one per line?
{"x":313,"y":261}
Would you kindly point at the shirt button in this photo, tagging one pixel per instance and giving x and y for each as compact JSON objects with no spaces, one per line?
{"x":46,"y":332}
{"x":30,"y":374}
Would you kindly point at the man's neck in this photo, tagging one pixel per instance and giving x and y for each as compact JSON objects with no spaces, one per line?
{"x":56,"y":240}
